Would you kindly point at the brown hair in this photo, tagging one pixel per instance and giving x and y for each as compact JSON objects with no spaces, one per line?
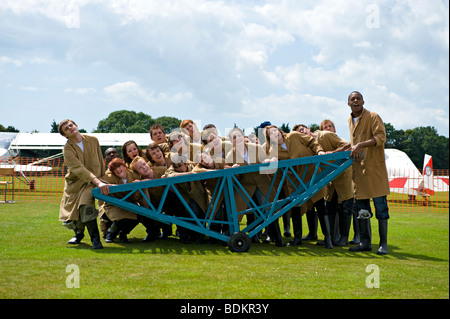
{"x":268,"y":141}
{"x":325,"y":121}
{"x":156,"y":127}
{"x":124,"y":151}
{"x":115,"y":164}
{"x":62,"y":123}
{"x":151,"y":147}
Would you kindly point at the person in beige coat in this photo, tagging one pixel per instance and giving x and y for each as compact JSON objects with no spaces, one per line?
{"x":295,"y":145}
{"x":84,"y":160}
{"x":367,"y":137}
{"x":256,"y":184}
{"x":193,"y":193}
{"x":340,"y":190}
{"x":122,"y":220}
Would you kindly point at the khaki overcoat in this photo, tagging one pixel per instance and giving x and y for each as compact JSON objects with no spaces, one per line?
{"x":343,"y":183}
{"x":369,"y":172}
{"x":113,"y":212}
{"x":82,"y":168}
{"x":250,"y":181}
{"x":301,"y":145}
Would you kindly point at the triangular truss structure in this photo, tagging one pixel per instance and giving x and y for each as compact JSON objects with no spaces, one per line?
{"x":326,"y":168}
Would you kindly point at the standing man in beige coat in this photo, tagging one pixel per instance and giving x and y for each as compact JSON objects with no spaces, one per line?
{"x":368,"y":135}
{"x":84,"y":160}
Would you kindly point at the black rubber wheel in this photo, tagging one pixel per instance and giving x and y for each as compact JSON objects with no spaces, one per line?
{"x":239,"y":242}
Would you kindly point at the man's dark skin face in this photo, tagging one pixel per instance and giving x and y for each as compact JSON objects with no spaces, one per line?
{"x":356,"y":103}
{"x":111,"y":153}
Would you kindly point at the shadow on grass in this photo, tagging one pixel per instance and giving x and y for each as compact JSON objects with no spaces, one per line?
{"x":173,"y":245}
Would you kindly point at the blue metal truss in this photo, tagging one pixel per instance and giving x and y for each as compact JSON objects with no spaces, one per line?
{"x":326,"y":168}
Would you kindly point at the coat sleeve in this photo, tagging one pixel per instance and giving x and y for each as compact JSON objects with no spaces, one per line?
{"x":378,"y":129}
{"x":75,"y":166}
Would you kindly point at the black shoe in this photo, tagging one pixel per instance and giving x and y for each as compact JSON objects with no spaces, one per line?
{"x":280,"y":243}
{"x":149,"y":238}
{"x":75,"y":240}
{"x":295,"y":242}
{"x":109,"y":238}
{"x":310,"y":237}
{"x":123,"y":238}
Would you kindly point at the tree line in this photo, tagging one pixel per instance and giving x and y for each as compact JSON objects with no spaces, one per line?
{"x":415,"y":142}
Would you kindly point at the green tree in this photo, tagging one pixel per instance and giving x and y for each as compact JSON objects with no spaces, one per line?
{"x":125,"y":122}
{"x":8,"y":129}
{"x":314,"y":127}
{"x":54,"y":127}
{"x":425,"y":140}
{"x":169,"y":123}
{"x":285,"y":128}
{"x":394,"y":138}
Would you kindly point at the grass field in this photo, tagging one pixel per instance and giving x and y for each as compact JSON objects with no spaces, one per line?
{"x":35,"y":257}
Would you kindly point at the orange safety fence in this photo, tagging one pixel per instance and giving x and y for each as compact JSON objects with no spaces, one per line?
{"x":35,"y":180}
{"x":38,"y":181}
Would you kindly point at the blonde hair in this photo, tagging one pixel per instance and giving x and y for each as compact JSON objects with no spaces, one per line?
{"x":133,"y":162}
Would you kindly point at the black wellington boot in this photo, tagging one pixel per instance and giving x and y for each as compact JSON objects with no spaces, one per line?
{"x":311,"y":219}
{"x":344,"y":225}
{"x":356,"y":237}
{"x":297,"y":226}
{"x":94,"y":234}
{"x":382,"y":230}
{"x":275,"y":233}
{"x":325,"y":225}
{"x":365,"y":236}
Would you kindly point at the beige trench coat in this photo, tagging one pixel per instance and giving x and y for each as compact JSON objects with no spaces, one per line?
{"x":343,"y":183}
{"x":113,"y":212}
{"x":369,"y":172}
{"x":301,"y":145}
{"x":82,"y":168}
{"x":250,"y":181}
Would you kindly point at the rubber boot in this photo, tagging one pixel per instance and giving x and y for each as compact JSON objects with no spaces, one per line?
{"x":112,"y":232}
{"x":325,"y":225}
{"x":311,"y":219}
{"x":275,"y":233}
{"x":94,"y":234}
{"x":297,"y":226}
{"x":79,"y":235}
{"x":365,"y":236}
{"x":382,"y":230}
{"x":356,"y":237}
{"x":331,"y":222}
{"x":345,"y":222}
{"x":287,"y":224}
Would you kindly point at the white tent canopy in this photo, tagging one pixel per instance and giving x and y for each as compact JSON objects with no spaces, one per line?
{"x":47,"y":141}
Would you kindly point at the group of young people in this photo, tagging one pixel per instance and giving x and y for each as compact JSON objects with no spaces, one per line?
{"x":189,"y":150}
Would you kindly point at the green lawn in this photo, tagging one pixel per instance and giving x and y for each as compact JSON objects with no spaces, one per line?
{"x":34,"y":258}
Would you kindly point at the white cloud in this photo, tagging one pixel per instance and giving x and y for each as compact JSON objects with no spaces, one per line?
{"x":234,"y":61}
{"x":80,"y":91}
{"x":131,"y":91}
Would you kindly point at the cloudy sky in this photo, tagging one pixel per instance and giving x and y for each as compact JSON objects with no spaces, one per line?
{"x":224,"y":62}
